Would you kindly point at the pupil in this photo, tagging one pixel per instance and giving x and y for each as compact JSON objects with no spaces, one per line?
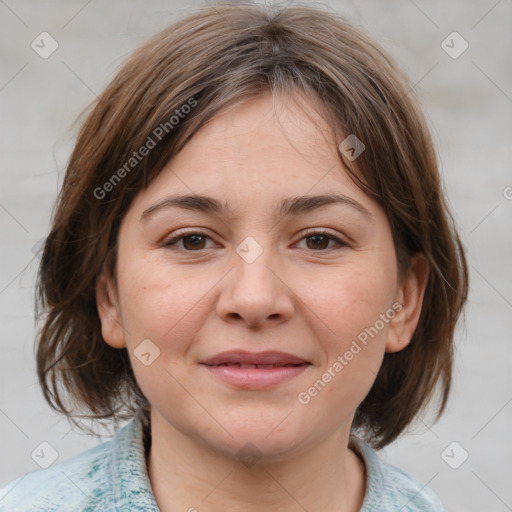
{"x":317,"y":237}
{"x":193,"y":237}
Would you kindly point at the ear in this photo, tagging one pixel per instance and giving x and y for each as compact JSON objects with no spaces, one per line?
{"x":410,"y":295}
{"x":108,"y":309}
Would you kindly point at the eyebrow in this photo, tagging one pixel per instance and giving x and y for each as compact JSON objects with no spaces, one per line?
{"x":289,"y":206}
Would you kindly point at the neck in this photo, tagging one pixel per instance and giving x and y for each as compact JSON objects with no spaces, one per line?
{"x":187,"y":474}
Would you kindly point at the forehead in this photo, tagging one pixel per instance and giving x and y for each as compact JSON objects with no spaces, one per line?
{"x":264,"y":138}
{"x":259,"y":153}
{"x":283,"y":123}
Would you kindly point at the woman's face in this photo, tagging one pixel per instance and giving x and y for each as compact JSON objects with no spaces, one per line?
{"x":262,"y":270}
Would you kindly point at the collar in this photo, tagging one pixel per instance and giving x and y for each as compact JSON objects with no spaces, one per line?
{"x":132,"y":487}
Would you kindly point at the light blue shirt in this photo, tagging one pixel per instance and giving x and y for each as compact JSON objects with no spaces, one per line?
{"x":113,"y":477}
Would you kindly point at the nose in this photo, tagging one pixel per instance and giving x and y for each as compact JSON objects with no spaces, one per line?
{"x":256,"y":292}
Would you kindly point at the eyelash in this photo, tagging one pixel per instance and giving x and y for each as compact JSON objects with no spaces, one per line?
{"x":172,"y":242}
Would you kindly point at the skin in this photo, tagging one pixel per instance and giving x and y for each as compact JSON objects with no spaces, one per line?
{"x":309,"y":299}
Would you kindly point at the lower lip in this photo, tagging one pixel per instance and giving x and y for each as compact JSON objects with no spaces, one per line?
{"x":254,"y":378}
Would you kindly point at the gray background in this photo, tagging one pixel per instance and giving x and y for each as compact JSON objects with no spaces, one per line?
{"x":468,"y":101}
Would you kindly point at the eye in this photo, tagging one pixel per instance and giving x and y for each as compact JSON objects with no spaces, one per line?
{"x":192,"y":242}
{"x":320,"y":240}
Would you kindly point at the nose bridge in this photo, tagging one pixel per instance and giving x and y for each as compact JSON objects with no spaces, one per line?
{"x":254,"y":262}
{"x":253,"y":265}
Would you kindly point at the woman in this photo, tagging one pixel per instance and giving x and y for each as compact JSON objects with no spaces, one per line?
{"x":251,"y":259}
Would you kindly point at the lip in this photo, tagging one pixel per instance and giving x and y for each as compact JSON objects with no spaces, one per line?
{"x":232,"y":368}
{"x":254,"y":378}
{"x":272,"y":357}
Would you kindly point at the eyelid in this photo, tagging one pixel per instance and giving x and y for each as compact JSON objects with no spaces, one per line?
{"x":323,"y":231}
{"x":181,"y":234}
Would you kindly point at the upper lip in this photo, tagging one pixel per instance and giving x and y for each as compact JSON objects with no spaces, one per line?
{"x":243,"y":357}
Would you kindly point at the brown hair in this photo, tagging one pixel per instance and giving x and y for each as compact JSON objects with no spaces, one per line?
{"x":211,"y":60}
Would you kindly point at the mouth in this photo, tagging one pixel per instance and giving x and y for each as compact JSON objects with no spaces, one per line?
{"x":248,"y":371}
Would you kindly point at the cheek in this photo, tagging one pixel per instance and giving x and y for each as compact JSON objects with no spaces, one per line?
{"x":162,"y":305}
{"x":162,"y":302}
{"x":350,"y":299}
{"x":353,"y":313}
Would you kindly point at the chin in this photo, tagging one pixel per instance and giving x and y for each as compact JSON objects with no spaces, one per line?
{"x":255,"y":439}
